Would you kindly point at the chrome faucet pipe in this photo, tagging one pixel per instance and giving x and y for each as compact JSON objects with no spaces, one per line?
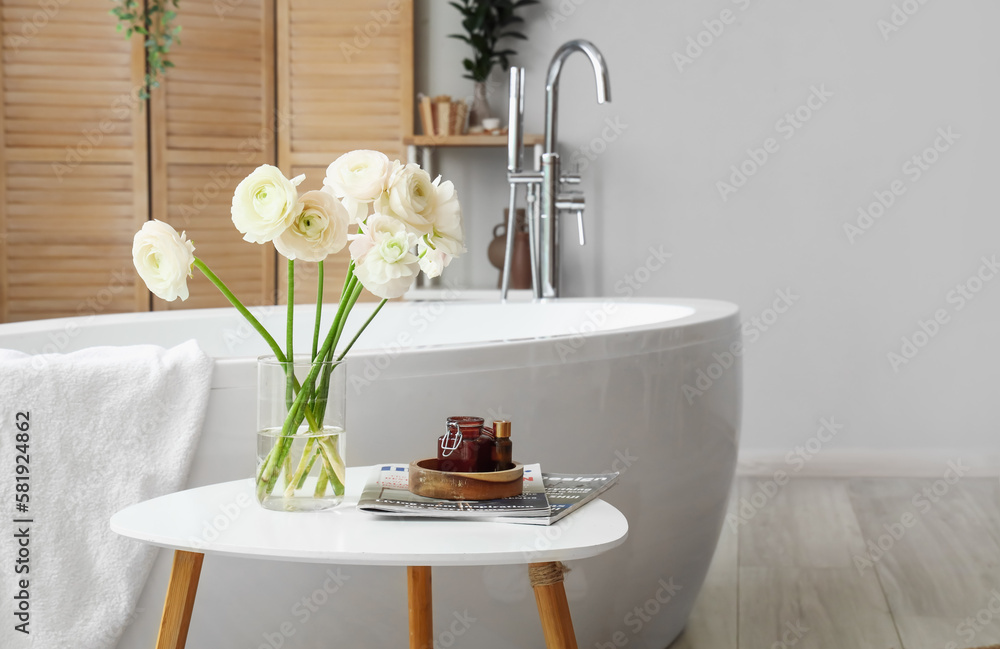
{"x":515,"y":141}
{"x":515,"y":119}
{"x":548,"y":226}
{"x":508,"y":255}
{"x":552,"y":201}
{"x":552,"y":83}
{"x":545,"y":199}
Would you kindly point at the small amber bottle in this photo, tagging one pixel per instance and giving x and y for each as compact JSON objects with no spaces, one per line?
{"x":503,"y":450}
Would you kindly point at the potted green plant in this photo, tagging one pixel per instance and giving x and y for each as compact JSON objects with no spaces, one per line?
{"x":486,"y":23}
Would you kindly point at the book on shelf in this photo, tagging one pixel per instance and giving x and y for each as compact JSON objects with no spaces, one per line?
{"x":546,"y":497}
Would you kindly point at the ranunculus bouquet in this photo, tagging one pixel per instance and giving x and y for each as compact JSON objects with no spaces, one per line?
{"x":404,"y":222}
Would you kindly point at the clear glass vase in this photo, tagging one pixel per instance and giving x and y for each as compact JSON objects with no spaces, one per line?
{"x":300,"y":434}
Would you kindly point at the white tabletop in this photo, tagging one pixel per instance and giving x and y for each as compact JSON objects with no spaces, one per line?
{"x":225,"y":519}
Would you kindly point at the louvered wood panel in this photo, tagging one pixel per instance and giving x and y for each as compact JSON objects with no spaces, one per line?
{"x":345,"y":81}
{"x":73,"y":161}
{"x":212,"y":124}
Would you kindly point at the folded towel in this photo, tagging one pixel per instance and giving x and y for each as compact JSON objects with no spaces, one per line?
{"x":106,"y":427}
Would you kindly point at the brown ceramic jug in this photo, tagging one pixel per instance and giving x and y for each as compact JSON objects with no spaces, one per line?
{"x":520,"y":272}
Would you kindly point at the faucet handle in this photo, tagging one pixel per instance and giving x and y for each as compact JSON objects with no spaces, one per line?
{"x":574,"y":202}
{"x":570,"y":179}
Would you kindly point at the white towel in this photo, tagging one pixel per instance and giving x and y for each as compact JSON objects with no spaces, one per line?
{"x":107,"y":427}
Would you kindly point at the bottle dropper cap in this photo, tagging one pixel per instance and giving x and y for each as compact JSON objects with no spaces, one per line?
{"x":502,"y":427}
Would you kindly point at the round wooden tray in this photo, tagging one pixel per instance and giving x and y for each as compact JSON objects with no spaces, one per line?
{"x":427,"y":481}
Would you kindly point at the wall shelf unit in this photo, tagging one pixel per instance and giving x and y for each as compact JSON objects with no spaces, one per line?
{"x":466,"y":140}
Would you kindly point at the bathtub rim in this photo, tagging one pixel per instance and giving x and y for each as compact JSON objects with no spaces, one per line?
{"x":710,"y":320}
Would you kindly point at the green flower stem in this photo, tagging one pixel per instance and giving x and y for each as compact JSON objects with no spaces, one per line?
{"x":305,"y":474}
{"x":300,"y":471}
{"x":219,"y":284}
{"x":334,"y":465}
{"x":361,"y":330}
{"x":289,"y":334}
{"x":356,"y":289}
{"x":280,"y":450}
{"x":288,"y":470}
{"x":321,"y":483}
{"x":299,"y":409}
{"x":347,"y":280}
{"x":319,"y":310}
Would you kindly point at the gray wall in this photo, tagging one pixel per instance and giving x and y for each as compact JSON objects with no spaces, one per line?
{"x":892,"y":82}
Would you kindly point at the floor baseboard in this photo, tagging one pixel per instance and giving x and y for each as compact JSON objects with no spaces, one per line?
{"x":852,"y":463}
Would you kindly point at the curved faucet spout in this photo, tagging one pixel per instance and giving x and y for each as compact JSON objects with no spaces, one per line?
{"x":552,"y":83}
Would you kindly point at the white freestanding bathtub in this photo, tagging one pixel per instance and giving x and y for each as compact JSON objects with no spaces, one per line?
{"x":590,"y":386}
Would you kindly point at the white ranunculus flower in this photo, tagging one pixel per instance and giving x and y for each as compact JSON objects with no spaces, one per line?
{"x":383,"y":262}
{"x":357,"y":211}
{"x":359,"y":175}
{"x":432,"y":261}
{"x":410,"y":196}
{"x":319,"y":229}
{"x":163,"y":259}
{"x":264,"y":204}
{"x":446,"y":240}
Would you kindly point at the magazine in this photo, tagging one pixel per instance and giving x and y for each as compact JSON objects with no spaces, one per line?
{"x":546,"y":497}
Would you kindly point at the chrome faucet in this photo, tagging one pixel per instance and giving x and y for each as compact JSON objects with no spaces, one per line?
{"x":544,"y":187}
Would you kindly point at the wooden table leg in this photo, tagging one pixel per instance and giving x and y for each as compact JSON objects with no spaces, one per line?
{"x":418,"y":591}
{"x":553,"y":609}
{"x":180,"y":600}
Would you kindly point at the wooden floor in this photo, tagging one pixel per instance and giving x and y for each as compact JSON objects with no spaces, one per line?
{"x":854,"y":563}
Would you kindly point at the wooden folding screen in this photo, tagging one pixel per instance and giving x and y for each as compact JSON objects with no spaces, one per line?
{"x":83,"y":163}
{"x":345,"y":81}
{"x":73,"y":171}
{"x":212,"y":123}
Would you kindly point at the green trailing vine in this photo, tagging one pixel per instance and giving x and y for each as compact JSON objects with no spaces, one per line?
{"x":154,"y":20}
{"x":486,"y":22}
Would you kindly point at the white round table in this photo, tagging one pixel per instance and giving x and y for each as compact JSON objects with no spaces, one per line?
{"x":225,"y":519}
